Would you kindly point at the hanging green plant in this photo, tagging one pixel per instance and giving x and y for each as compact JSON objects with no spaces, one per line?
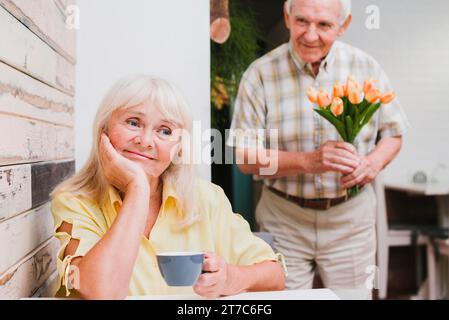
{"x":230,"y":59}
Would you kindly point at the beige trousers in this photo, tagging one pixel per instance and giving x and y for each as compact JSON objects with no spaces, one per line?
{"x":339,"y":243}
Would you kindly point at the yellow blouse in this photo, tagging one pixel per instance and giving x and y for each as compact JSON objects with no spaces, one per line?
{"x":217,"y":230}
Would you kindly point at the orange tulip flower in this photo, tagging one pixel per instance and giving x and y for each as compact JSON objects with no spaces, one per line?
{"x":387,"y":97}
{"x":323,"y":99}
{"x":351,"y":81}
{"x":312,"y":95}
{"x":368,"y":85}
{"x":373,"y":95}
{"x":337,"y":106}
{"x":353,"y":94}
{"x":338,"y":90}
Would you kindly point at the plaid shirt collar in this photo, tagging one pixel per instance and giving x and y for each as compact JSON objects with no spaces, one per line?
{"x":327,"y":61}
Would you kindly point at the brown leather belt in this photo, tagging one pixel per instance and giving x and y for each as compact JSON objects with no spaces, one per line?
{"x":316,"y":204}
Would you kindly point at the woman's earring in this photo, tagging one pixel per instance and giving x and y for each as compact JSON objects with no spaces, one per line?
{"x":178,"y":157}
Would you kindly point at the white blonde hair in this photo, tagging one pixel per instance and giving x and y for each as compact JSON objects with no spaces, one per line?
{"x":127,"y":92}
{"x":344,"y":13}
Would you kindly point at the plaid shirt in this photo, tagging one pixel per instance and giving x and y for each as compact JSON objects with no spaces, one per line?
{"x":272,"y":95}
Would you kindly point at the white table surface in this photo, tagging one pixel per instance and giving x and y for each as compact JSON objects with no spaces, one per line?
{"x":311,"y":294}
{"x":428,"y":189}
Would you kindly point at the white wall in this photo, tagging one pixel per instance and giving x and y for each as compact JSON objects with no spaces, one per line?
{"x":412,"y":46}
{"x":169,"y":39}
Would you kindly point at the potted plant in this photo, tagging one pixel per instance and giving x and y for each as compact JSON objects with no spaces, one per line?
{"x":229,"y":60}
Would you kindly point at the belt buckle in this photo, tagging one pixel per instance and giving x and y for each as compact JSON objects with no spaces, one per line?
{"x":328,"y":204}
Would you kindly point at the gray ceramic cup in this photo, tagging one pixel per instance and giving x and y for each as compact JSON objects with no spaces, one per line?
{"x":180,"y":269}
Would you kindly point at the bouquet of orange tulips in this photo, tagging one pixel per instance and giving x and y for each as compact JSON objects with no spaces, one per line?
{"x":348,"y":111}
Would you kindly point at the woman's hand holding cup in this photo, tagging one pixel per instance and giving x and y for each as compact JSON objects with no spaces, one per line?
{"x":213,"y":281}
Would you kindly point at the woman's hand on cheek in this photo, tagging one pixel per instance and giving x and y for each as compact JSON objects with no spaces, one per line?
{"x":119,"y":171}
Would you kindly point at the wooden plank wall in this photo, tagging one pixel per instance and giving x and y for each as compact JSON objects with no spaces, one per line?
{"x":37,"y":88}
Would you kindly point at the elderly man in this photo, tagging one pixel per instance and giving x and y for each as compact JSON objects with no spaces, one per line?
{"x":304,"y":204}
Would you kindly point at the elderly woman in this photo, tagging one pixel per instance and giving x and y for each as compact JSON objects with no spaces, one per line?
{"x":137,"y":196}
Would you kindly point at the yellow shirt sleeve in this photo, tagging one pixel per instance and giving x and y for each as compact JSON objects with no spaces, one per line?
{"x":86,"y":227}
{"x":234,"y":239}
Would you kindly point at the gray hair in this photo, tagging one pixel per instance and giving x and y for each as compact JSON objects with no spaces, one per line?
{"x":127,"y":92}
{"x":345,"y":9}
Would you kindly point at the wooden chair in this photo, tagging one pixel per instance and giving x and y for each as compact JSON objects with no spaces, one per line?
{"x":397,"y":236}
{"x":442,"y":245}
